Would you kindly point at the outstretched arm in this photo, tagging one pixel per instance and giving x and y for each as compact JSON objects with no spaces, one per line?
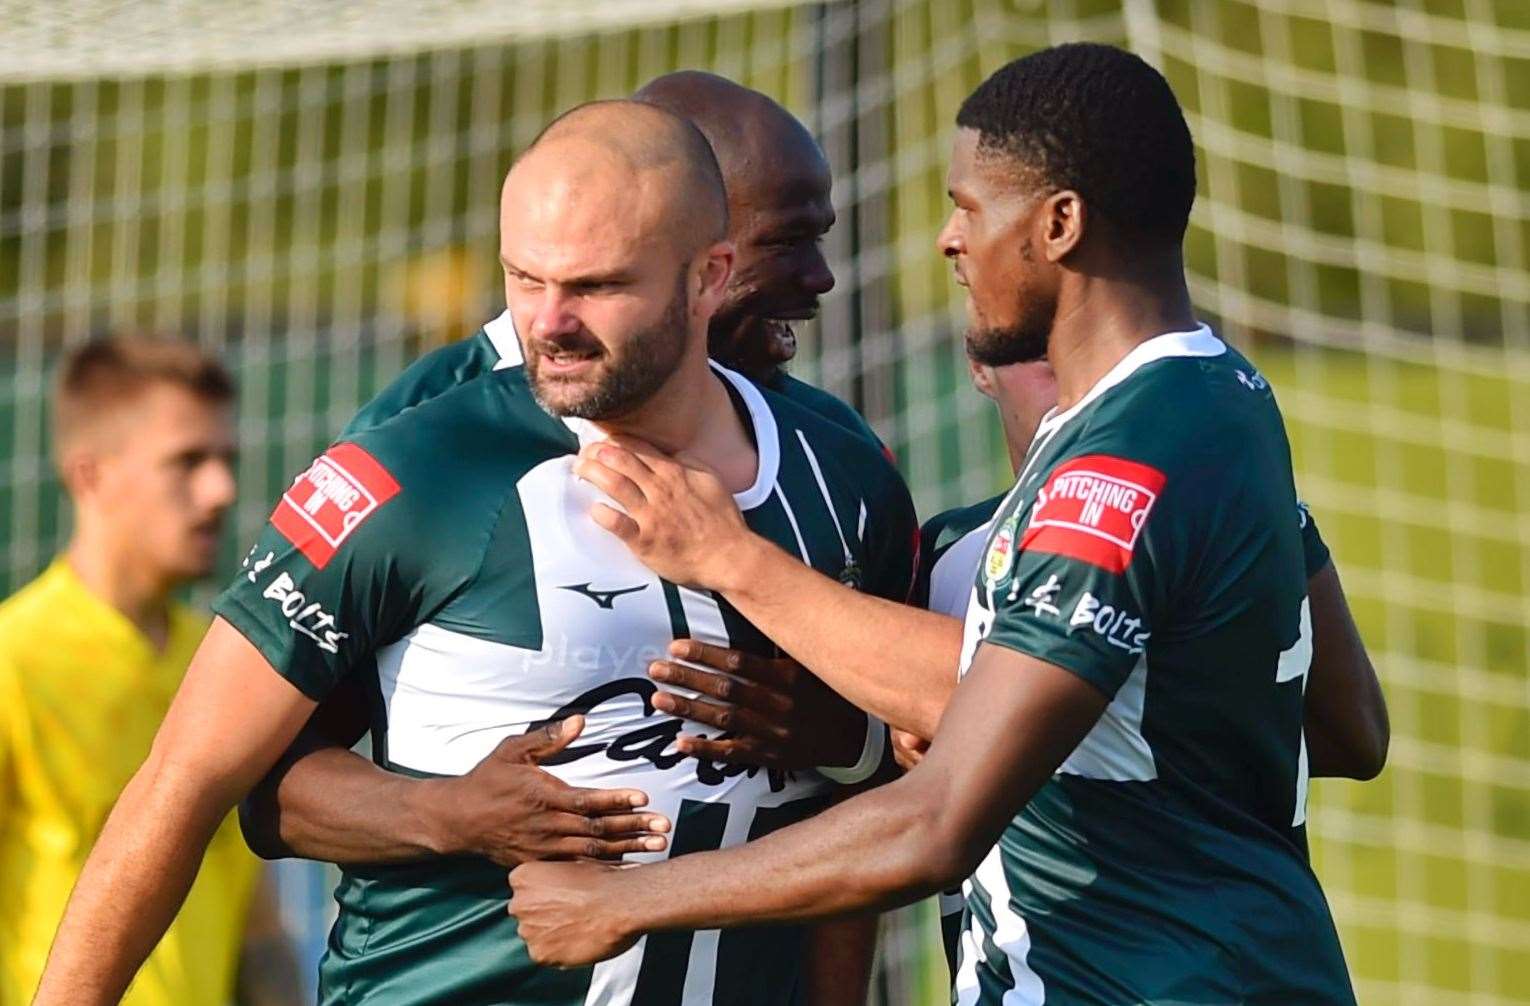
{"x":1345,"y":715}
{"x":894,"y":661}
{"x":1010,"y":724}
{"x":230,"y":720}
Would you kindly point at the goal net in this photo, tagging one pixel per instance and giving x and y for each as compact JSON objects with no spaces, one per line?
{"x":312,"y":189}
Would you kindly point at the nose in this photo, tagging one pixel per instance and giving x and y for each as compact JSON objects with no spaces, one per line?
{"x":949,"y":240}
{"x":553,"y":316}
{"x":816,"y":276}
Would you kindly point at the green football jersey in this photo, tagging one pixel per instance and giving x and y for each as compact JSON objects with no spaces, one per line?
{"x":1148,"y":548}
{"x":951,"y":544}
{"x":442,"y":553}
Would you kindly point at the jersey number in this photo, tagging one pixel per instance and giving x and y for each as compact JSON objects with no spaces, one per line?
{"x":1294,"y":664}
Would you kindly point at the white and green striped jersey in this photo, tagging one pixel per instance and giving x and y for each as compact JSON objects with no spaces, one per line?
{"x":1148,"y":547}
{"x":442,"y":553}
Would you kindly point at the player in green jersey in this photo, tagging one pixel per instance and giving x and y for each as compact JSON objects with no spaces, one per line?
{"x":324,"y":801}
{"x":447,"y":558}
{"x":950,"y":554}
{"x":1122,"y":763}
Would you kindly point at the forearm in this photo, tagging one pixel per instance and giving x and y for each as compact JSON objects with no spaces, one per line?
{"x":837,"y":965}
{"x":892,"y":660}
{"x":874,"y":852}
{"x":133,"y":883}
{"x":333,"y":805}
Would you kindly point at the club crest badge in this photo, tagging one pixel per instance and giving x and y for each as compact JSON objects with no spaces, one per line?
{"x":1001,"y":552}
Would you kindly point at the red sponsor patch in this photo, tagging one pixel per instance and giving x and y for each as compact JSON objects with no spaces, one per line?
{"x":343,"y":487}
{"x":1093,"y":508}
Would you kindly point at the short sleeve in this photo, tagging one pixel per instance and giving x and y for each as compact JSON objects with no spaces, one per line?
{"x":1315,"y":554}
{"x":1076,"y":584}
{"x":336,"y":573}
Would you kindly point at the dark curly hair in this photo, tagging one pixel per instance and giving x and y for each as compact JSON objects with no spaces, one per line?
{"x":1100,"y":121}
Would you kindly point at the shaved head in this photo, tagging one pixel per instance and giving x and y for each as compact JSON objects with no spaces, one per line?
{"x":633,"y":147}
{"x":778,"y":186}
{"x":748,"y":131}
{"x":613,"y":229}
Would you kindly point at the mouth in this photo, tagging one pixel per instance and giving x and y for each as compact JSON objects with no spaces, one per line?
{"x":783,"y":338}
{"x":559,"y":361}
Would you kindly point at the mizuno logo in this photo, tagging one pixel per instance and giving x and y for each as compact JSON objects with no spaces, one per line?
{"x":605,"y":598}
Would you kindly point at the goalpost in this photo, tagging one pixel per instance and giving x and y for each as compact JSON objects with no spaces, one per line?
{"x":317,"y":199}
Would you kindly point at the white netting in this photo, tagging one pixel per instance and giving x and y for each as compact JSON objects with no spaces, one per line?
{"x":312,"y":187}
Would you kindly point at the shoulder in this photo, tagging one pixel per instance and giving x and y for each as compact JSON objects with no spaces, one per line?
{"x":29,"y":612}
{"x":836,"y":449}
{"x":489,"y":425}
{"x":1188,"y":414}
{"x":442,"y":469}
{"x":823,"y":404}
{"x":432,"y":375}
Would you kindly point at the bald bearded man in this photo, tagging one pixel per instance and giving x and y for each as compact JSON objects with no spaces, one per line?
{"x":448,"y":559}
{"x":323,"y":801}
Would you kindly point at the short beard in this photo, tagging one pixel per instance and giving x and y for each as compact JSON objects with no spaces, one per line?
{"x":1000,"y":347}
{"x":635,"y":374}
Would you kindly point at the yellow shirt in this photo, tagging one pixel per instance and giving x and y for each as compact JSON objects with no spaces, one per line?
{"x":82,"y":693}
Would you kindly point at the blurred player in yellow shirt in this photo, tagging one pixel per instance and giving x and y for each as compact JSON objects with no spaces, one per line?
{"x":91,"y":653}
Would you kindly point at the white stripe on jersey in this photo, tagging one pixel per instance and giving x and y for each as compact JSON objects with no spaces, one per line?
{"x":1115,"y":748}
{"x":823,"y":490}
{"x":1010,"y":934}
{"x":791,"y":518}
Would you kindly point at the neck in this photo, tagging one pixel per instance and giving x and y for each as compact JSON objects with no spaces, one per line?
{"x":1016,"y":439}
{"x":109,"y":571}
{"x":1107,"y":317}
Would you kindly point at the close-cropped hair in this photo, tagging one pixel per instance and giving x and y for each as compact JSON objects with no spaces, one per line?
{"x":104,"y":375}
{"x":1097,"y":120}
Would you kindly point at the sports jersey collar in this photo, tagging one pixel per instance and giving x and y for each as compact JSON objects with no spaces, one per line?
{"x":766,"y":438}
{"x":1199,"y":341}
{"x":501,"y":333}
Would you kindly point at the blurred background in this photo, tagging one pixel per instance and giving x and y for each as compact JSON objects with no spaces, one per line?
{"x":312,"y":190}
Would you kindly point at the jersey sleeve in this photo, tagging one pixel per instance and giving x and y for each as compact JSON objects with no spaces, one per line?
{"x":1076,"y":584}
{"x":337,"y":572}
{"x":1315,"y":552}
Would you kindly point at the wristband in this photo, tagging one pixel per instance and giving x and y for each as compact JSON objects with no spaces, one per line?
{"x":871,"y":756}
